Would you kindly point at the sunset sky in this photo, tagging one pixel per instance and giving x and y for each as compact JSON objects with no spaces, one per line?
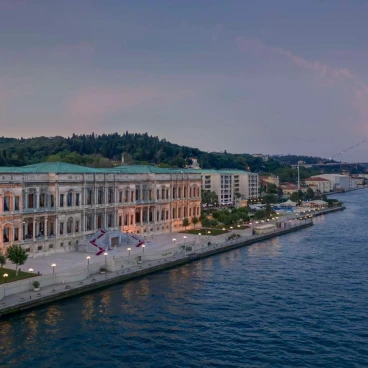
{"x":270,"y":76}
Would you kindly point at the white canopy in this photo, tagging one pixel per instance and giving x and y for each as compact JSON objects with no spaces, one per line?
{"x":288,"y":203}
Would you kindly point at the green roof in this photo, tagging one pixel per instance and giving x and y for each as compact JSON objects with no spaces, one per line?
{"x":65,"y":168}
{"x":223,"y":171}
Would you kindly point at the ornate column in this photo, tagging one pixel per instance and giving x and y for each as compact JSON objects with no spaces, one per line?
{"x":34,"y":228}
{"x":45,"y":228}
{"x":56,"y":227}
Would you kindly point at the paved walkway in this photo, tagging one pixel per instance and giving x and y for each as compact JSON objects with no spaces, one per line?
{"x":73,"y":260}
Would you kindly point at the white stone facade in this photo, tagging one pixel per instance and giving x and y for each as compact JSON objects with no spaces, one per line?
{"x":52,"y":212}
{"x":227,"y":184}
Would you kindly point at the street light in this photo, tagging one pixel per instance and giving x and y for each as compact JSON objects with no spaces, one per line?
{"x":5,"y":276}
{"x":174,"y":240}
{"x":231,"y":227}
{"x":30,"y":270}
{"x":143,"y":246}
{"x":129,"y":249}
{"x":53,"y":267}
{"x":106,"y":254}
{"x":185,"y":239}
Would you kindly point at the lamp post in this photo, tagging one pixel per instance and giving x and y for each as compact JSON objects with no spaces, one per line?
{"x":53,"y":270}
{"x":231,"y":227}
{"x":106,"y":254}
{"x":30,"y":270}
{"x":174,"y":240}
{"x":129,"y":249}
{"x":143,"y":246}
{"x":88,"y":258}
{"x":185,"y":239}
{"x":5,"y":276}
{"x":208,"y":235}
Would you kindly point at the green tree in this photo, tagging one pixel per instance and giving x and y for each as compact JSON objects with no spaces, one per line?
{"x":17,"y":255}
{"x":195,"y":221}
{"x":2,"y":260}
{"x":209,"y":197}
{"x":185,"y":223}
{"x":270,"y":198}
{"x":309,"y":194}
{"x":206,"y":222}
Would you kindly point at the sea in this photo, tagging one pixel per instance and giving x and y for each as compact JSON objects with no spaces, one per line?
{"x":298,"y":300}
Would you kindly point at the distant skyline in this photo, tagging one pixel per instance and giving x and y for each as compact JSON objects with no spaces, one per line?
{"x":285,"y":77}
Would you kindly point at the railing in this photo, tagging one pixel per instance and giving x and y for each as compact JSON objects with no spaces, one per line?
{"x":135,"y":260}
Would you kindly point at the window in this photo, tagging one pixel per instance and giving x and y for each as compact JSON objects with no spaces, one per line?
{"x":51,"y":246}
{"x":16,"y":234}
{"x":174,"y":213}
{"x":69,"y":226}
{"x":89,"y":222}
{"x":61,"y":245}
{"x":131,"y":196}
{"x":109,"y":220}
{"x":190,"y":212}
{"x":167,"y":215}
{"x":77,"y":226}
{"x":77,"y":196}
{"x":120,"y":197}
{"x":30,"y":200}
{"x":6,"y":235}
{"x":7,"y":203}
{"x":42,"y":200}
{"x":150,"y":195}
{"x":89,"y":197}
{"x":185,"y":192}
{"x":163,"y":193}
{"x":167,"y":193}
{"x":110,"y":195}
{"x":179,"y":212}
{"x":179,"y":193}
{"x":61,"y":200}
{"x":61,"y":232}
{"x":174,"y":193}
{"x":69,"y":199}
{"x":16,"y":203}
{"x":39,"y":247}
{"x":52,"y":200}
{"x":100,"y":196}
{"x":120,"y":221}
{"x":158,"y":195}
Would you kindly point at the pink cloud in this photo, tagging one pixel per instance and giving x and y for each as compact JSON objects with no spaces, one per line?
{"x":356,"y":89}
{"x":95,"y":102}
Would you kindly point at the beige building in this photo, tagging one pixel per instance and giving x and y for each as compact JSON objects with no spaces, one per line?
{"x":50,"y":207}
{"x":272,"y":179}
{"x":318,"y":183}
{"x":228,"y":184}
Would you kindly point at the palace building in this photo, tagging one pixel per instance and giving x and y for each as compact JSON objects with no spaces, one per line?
{"x":50,"y":207}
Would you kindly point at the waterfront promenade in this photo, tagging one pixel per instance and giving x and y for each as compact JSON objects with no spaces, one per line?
{"x":19,"y":295}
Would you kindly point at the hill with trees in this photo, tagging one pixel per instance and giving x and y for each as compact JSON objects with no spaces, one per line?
{"x":106,"y":150}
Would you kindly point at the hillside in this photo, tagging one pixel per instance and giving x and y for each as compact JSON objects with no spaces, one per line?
{"x":106,"y":150}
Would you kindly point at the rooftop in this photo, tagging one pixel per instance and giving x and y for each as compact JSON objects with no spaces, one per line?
{"x":223,"y":171}
{"x":316,"y":179}
{"x":65,"y":168}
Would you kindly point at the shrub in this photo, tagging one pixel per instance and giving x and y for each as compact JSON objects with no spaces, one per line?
{"x":36,"y":284}
{"x":102,"y":269}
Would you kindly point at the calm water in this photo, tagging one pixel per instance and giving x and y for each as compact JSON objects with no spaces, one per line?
{"x":296,"y":301}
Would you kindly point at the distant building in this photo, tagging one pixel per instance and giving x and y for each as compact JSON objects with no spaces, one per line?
{"x":229,"y":184}
{"x":194,"y":165}
{"x":261,"y":155}
{"x":321,"y":184}
{"x":288,"y":188}
{"x":339,"y":182}
{"x":272,"y":179}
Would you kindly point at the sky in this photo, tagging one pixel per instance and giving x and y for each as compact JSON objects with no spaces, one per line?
{"x":265,"y":76}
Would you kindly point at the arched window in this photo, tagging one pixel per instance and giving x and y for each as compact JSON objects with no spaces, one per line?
{"x":42,"y":200}
{"x":31,"y":198}
{"x":6,"y":233}
{"x":69,"y":198}
{"x":126,"y":195}
{"x":7,"y":199}
{"x":69,"y":225}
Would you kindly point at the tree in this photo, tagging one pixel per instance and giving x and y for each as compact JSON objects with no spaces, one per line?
{"x":206,"y":222}
{"x":17,"y":255}
{"x":2,"y":260}
{"x":270,"y":198}
{"x":309,"y":194}
{"x":195,"y":221}
{"x":209,"y":197}
{"x":185,"y":223}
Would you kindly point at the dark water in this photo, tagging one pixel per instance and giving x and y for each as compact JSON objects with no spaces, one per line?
{"x":296,"y":301}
